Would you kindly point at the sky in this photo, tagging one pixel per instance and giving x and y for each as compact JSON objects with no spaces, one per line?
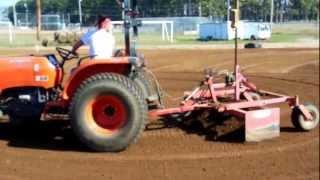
{"x":6,"y":3}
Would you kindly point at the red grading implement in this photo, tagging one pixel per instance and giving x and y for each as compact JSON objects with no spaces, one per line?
{"x":240,"y":98}
{"x":243,"y":100}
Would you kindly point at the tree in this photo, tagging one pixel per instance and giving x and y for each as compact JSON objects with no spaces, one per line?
{"x":250,"y":9}
{"x":214,"y":7}
{"x":304,"y":9}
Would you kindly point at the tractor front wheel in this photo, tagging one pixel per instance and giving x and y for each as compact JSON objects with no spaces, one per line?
{"x":108,"y":112}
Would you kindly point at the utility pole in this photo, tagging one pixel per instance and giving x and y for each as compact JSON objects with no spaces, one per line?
{"x":318,"y":11}
{"x":185,"y":9}
{"x":281,"y":10}
{"x":38,"y":12}
{"x":271,"y":12}
{"x":228,"y":10}
{"x":189,"y":8}
{"x":14,"y":14}
{"x":200,"y":9}
{"x":26,"y":16}
{"x":80,"y":13}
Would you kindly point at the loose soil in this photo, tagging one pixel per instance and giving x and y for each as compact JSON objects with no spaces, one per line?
{"x":170,"y":151}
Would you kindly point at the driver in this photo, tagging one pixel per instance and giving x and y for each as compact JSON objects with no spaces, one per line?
{"x":100,"y":40}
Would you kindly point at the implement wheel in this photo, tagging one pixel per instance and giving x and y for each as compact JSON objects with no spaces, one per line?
{"x":300,"y":122}
{"x":108,"y":112}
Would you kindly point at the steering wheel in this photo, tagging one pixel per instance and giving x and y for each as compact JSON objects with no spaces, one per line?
{"x":66,"y":55}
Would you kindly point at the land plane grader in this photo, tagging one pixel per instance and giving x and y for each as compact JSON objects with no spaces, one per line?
{"x":108,"y":102}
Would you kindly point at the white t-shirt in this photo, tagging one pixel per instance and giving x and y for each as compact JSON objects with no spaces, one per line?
{"x":101,"y":43}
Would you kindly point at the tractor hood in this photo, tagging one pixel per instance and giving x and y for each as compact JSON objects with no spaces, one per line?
{"x":14,"y":60}
{"x":29,"y":71}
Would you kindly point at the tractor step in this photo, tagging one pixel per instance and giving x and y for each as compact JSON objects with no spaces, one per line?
{"x":153,"y":98}
{"x":153,"y":102}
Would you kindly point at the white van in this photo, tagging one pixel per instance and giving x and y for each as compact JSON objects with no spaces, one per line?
{"x":223,"y":31}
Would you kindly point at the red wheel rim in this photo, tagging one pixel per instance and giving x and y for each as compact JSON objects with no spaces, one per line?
{"x":107,"y":112}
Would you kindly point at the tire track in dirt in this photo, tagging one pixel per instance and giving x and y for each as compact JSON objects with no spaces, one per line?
{"x":3,"y":177}
{"x":157,"y":69}
{"x":200,"y":149}
{"x":250,"y":66}
{"x":283,"y":79}
{"x":208,"y":155}
{"x":164,"y":67}
{"x":293,"y":67}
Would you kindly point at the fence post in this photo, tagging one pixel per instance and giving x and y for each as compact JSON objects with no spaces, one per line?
{"x":38,"y":12}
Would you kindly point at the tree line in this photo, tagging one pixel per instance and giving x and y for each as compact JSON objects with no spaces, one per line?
{"x":258,"y":10}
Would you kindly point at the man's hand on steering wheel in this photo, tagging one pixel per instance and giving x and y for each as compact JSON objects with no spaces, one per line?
{"x":75,"y":53}
{"x":66,"y":55}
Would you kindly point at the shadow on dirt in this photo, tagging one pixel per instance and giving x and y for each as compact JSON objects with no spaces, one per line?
{"x":291,"y":130}
{"x":48,"y":135}
{"x":225,"y":130}
{"x":57,"y":135}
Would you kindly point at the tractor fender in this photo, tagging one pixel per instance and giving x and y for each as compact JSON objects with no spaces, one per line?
{"x":121,"y":65}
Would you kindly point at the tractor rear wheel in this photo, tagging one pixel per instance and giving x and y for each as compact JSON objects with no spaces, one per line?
{"x":108,"y":112}
{"x":300,"y":122}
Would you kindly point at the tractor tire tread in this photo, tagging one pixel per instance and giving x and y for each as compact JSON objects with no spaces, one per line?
{"x":128,"y":84}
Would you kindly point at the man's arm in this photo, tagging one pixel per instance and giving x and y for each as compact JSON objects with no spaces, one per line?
{"x":84,"y":40}
{"x":76,"y":46}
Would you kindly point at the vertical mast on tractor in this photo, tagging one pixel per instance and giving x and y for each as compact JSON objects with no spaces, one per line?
{"x":235,"y":17}
{"x":130,"y":12}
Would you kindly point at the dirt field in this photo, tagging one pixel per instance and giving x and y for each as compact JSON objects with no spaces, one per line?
{"x":52,"y":152}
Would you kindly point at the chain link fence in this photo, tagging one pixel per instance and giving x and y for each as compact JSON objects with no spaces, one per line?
{"x":184,"y":16}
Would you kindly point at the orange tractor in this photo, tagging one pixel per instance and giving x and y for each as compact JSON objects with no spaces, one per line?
{"x":109,"y":101}
{"x":106,"y":100}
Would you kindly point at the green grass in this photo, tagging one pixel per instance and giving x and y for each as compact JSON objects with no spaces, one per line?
{"x":284,"y":37}
{"x":281,"y":33}
{"x":20,"y":40}
{"x":28,"y":40}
